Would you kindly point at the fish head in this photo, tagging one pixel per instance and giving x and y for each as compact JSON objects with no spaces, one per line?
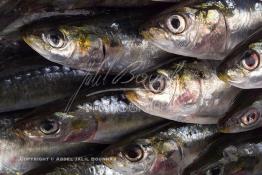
{"x":59,"y":127}
{"x":233,"y":168}
{"x":171,"y":91}
{"x":243,"y":67}
{"x":144,"y":156}
{"x":242,"y":120}
{"x":155,"y":94}
{"x":130,"y":158}
{"x":241,"y":159}
{"x":188,"y":31}
{"x":69,"y":46}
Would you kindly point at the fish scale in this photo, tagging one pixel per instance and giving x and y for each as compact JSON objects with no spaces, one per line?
{"x":88,"y":119}
{"x":192,"y":94}
{"x":170,"y":148}
{"x":100,"y":47}
{"x":211,"y":29}
{"x":235,"y":69}
{"x":28,"y":81}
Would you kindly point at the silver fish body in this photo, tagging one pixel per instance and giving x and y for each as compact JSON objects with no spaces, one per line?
{"x":244,"y":115}
{"x":185,"y":92}
{"x":242,"y":67}
{"x":19,"y":156}
{"x":231,"y":156}
{"x":164,"y":152}
{"x":30,"y":86}
{"x":17,"y":13}
{"x":208,"y":30}
{"x":98,"y":119}
{"x":107,"y":43}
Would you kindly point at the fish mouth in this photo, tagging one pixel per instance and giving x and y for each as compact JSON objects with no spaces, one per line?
{"x":36,"y":44}
{"x":229,"y":79}
{"x":29,"y":39}
{"x":153,"y":33}
{"x":19,"y":133}
{"x":110,"y":157}
{"x":221,"y":128}
{"x":146,"y":34}
{"x":132,"y":96}
{"x":224,"y":77}
{"x":236,"y":82}
{"x":223,"y":124}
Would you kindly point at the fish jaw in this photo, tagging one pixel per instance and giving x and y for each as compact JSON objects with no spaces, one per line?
{"x":225,"y":125}
{"x":79,"y":48}
{"x":36,"y":42}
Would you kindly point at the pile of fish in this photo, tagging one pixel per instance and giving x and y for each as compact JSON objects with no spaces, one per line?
{"x":128,"y":87}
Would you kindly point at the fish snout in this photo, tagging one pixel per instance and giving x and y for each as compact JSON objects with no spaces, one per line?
{"x":223,"y":76}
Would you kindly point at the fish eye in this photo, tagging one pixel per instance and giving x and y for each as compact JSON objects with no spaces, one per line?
{"x":250,"y":60}
{"x":54,"y":38}
{"x":49,"y":127}
{"x":157,"y":84}
{"x":133,"y":153}
{"x":250,"y":117}
{"x":176,"y":24}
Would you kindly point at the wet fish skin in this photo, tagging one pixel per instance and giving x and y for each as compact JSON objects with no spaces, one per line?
{"x":244,"y":115}
{"x":242,"y":67}
{"x":187,"y":92}
{"x":13,"y":9}
{"x":31,"y":86}
{"x":106,"y":43}
{"x":236,"y":162}
{"x":79,"y":168}
{"x":12,"y":161}
{"x":208,"y":30}
{"x":15,"y":151}
{"x":12,"y":28}
{"x":18,"y":13}
{"x":166,"y":151}
{"x":74,"y":4}
{"x":11,"y":62}
{"x":98,"y":119}
{"x":232,"y":156}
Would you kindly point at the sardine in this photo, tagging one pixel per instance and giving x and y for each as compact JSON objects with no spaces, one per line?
{"x":33,"y":84}
{"x":19,"y":156}
{"x":166,"y":151}
{"x":11,"y":49}
{"x":208,"y":30}
{"x":107,"y":43}
{"x":13,"y":25}
{"x":98,"y":119}
{"x":185,"y":92}
{"x":244,"y":115}
{"x":230,"y":156}
{"x":242,"y":68}
{"x":18,"y":13}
